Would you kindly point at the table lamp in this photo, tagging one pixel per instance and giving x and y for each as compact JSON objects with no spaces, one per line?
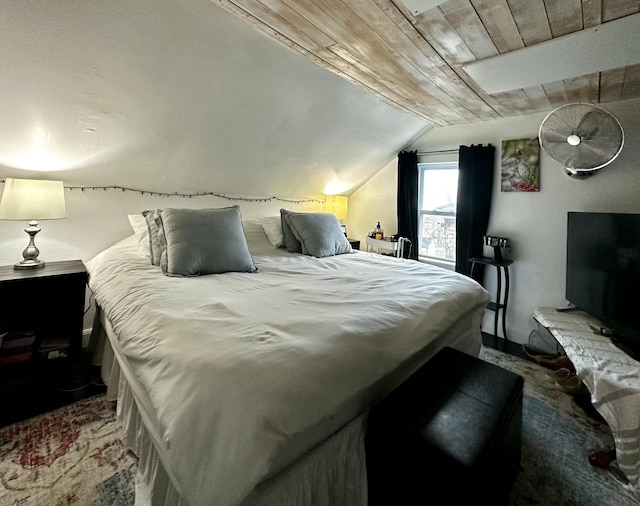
{"x":337,"y":205}
{"x":32,"y":200}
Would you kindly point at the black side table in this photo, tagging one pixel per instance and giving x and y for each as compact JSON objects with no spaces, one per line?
{"x":500,"y":303}
{"x":48,"y":301}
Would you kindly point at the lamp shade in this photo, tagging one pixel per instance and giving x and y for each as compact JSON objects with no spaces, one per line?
{"x":32,"y":199}
{"x":337,"y":205}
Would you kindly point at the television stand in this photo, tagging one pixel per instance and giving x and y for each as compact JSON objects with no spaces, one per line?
{"x":611,"y":376}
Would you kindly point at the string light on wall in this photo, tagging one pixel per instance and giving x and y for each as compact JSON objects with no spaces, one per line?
{"x":153,"y":193}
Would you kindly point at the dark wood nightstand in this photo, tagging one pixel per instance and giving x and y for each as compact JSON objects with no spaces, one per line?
{"x":48,"y":303}
{"x":354,"y":243}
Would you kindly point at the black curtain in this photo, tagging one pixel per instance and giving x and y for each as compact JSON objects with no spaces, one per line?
{"x":475,"y":185}
{"x":408,"y":201}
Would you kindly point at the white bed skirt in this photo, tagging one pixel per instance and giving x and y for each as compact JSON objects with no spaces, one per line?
{"x":331,"y":474}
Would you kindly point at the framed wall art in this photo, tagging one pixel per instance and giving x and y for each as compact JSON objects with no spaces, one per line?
{"x":520,"y":165}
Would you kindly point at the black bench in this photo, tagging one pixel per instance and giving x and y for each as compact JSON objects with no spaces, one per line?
{"x":451,"y":433}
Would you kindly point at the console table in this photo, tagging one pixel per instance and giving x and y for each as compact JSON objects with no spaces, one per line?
{"x":611,"y":376}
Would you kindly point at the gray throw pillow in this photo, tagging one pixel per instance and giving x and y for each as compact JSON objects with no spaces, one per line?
{"x":288,"y":238}
{"x":203,"y":241}
{"x":320,"y":234}
{"x":155,"y":252}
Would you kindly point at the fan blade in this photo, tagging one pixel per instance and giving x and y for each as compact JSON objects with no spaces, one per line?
{"x":555,"y":135}
{"x":554,"y":142}
{"x":597,"y":153}
{"x":563,"y":153}
{"x":559,"y":123}
{"x":590,"y":123}
{"x":572,"y":159}
{"x":589,"y":156}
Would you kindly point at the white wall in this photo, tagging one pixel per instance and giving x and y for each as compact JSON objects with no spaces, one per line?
{"x":534,"y":222}
{"x":374,"y":202}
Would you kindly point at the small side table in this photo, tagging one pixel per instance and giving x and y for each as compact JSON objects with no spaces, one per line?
{"x":355,"y":243}
{"x":395,"y":247}
{"x":500,"y":303}
{"x":48,"y":301}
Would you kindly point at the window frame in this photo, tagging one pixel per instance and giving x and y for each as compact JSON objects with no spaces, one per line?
{"x":423,"y":167}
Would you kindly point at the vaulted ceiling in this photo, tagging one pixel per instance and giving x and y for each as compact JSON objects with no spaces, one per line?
{"x":413,"y":54}
{"x":182,"y":95}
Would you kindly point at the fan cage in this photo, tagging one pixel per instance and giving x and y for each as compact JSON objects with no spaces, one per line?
{"x":592,"y":153}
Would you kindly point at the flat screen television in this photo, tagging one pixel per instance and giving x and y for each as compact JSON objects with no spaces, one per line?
{"x":603,"y":272}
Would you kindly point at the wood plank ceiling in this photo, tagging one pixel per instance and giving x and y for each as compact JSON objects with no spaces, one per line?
{"x":415,"y":62}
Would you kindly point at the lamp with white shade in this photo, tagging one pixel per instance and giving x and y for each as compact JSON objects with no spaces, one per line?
{"x":32,"y":200}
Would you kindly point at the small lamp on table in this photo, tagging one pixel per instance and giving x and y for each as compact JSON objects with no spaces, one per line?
{"x":32,"y":200}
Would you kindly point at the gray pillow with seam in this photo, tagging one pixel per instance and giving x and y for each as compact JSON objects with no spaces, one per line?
{"x":289,"y":239}
{"x":155,"y":252}
{"x":203,"y":241}
{"x":320,"y":234}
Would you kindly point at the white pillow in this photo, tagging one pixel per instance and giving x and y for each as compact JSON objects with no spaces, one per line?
{"x":272,"y":227}
{"x":139,"y":226}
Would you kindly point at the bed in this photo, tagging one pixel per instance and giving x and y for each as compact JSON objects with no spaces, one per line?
{"x":253,"y":387}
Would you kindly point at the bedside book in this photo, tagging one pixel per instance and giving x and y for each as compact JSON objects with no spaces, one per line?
{"x":16,"y":347}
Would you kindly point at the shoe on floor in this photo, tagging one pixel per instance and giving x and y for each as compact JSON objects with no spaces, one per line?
{"x":548,"y":361}
{"x":560,"y":374}
{"x":555,"y":363}
{"x":602,"y":457}
{"x":571,"y":385}
{"x":532,"y":352}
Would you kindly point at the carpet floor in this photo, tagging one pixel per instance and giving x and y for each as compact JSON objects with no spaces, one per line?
{"x":76,"y":454}
{"x":557,"y":435}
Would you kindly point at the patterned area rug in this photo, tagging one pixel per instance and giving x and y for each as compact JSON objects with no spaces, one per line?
{"x":76,"y":455}
{"x":557,"y":435}
{"x":71,"y":456}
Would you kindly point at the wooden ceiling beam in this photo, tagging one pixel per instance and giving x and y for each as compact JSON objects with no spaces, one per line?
{"x":531,"y":20}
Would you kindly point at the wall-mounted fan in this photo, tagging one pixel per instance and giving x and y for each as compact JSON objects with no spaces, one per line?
{"x":581,"y":137}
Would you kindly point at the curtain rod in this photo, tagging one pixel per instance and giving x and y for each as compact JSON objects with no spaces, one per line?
{"x":442,"y":151}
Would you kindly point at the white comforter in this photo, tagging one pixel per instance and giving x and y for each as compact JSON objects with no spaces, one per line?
{"x":234,"y":365}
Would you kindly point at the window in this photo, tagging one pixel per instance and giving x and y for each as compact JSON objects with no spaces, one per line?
{"x":437,"y":198}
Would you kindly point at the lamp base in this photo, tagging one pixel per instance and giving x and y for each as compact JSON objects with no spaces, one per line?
{"x":29,"y":264}
{"x":31,"y":252}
